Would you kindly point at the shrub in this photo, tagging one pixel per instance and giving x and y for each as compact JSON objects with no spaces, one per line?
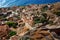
{"x":12,"y":24}
{"x":41,"y":19}
{"x":11,"y":33}
{"x":25,"y":38}
{"x":44,"y":14}
{"x":36,"y":19}
{"x":50,"y":22}
{"x":45,"y":8}
{"x":57,"y":13}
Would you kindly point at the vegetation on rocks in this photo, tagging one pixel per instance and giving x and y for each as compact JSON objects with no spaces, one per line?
{"x":12,"y":24}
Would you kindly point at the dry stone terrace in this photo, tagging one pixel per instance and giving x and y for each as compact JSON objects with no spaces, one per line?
{"x":31,"y":22}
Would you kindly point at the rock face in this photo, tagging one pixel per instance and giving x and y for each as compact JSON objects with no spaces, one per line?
{"x":4,"y":29}
{"x":14,"y":38}
{"x":38,"y":22}
{"x":38,"y":34}
{"x":41,"y":34}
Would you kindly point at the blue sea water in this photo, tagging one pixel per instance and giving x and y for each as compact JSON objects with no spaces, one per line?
{"x":9,"y":3}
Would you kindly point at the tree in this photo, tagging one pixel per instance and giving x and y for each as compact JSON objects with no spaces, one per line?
{"x":12,"y":24}
{"x":57,"y":13}
{"x":11,"y":33}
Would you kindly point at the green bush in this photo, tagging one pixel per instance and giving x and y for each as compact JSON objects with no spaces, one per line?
{"x":57,"y":13}
{"x":11,"y":33}
{"x":12,"y":24}
{"x":45,"y":8}
{"x":41,"y":19}
{"x":36,"y":19}
{"x":25,"y":38}
{"x":17,"y":17}
{"x":44,"y":14}
{"x":50,"y":22}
